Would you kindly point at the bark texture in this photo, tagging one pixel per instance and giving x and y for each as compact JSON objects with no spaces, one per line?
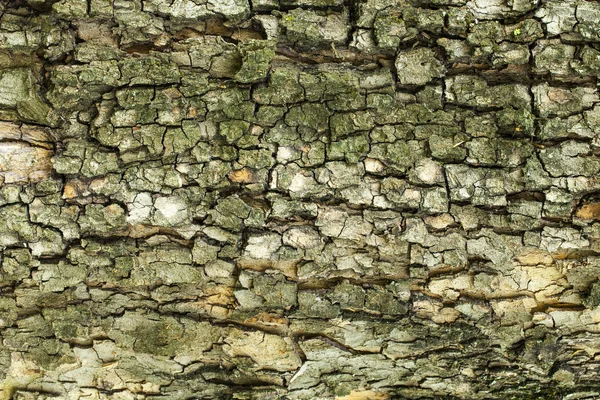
{"x":299,"y":199}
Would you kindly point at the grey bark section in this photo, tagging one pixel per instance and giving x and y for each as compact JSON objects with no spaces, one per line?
{"x":309,"y":199}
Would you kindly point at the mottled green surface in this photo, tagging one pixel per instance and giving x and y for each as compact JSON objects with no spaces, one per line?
{"x":299,"y":199}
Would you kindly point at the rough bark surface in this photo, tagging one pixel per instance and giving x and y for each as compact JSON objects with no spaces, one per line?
{"x":299,"y":199}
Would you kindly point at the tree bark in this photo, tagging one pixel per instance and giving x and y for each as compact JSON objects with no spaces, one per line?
{"x":299,"y":199}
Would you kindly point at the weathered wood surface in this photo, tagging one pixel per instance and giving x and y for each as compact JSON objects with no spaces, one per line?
{"x":299,"y":199}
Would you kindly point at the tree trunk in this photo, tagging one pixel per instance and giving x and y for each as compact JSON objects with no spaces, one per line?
{"x":299,"y":199}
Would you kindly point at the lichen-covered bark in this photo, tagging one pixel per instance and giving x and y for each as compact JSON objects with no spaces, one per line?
{"x":299,"y":199}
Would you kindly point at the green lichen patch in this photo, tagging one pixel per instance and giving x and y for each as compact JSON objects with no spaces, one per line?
{"x":303,"y":199}
{"x":417,"y":67}
{"x":256,"y":62}
{"x":308,"y":29}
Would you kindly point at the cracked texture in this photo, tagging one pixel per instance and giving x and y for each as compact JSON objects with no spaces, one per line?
{"x":312,"y":199}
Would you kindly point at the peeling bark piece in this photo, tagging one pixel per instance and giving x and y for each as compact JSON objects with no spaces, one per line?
{"x":554,"y":57}
{"x":391,"y":30}
{"x":589,"y":212}
{"x":481,"y":186}
{"x":256,"y":62}
{"x":570,"y":158}
{"x":587,"y":15}
{"x":14,"y":86}
{"x":267,"y":351}
{"x":213,"y":54}
{"x":419,"y":66}
{"x":312,"y":3}
{"x":559,"y":16}
{"x":497,"y":9}
{"x":364,"y":395}
{"x":534,"y":257}
{"x":22,"y":163}
{"x":551,"y":101}
{"x":314,"y":29}
{"x":244,"y":175}
{"x":196,"y":9}
{"x":70,"y":8}
{"x":473,"y":91}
